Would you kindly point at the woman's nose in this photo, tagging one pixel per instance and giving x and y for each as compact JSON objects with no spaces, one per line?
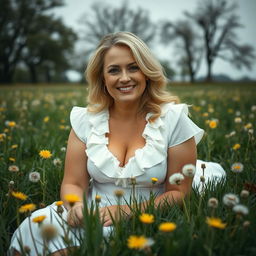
{"x":125,"y":77}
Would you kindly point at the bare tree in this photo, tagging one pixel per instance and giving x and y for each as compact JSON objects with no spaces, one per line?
{"x":218,"y":23}
{"x":104,"y":19}
{"x":190,"y":51}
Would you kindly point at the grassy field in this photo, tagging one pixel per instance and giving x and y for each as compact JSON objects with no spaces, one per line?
{"x":35,"y":118}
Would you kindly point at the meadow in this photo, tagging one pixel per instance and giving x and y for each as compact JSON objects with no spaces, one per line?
{"x":36,"y":118}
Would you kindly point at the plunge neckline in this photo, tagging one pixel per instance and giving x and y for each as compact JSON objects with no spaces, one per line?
{"x":135,"y":151}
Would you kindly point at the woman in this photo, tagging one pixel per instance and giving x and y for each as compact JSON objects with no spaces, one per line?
{"x":132,"y":128}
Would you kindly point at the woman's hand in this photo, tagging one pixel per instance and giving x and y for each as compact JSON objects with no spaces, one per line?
{"x":75,"y":215}
{"x":115,"y":211}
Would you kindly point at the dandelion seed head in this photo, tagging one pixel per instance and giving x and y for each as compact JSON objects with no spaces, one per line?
{"x":189,"y":170}
{"x":213,"y":202}
{"x":34,"y":177}
{"x":13,"y":168}
{"x":244,"y":193}
{"x":176,"y":179}
{"x":230,"y":200}
{"x":240,"y":209}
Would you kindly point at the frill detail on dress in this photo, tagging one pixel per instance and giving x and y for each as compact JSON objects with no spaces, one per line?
{"x":153,"y":153}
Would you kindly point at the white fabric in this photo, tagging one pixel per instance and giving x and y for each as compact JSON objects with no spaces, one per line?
{"x":172,"y":128}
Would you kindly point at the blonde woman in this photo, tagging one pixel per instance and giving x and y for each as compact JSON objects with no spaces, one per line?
{"x":131,"y":128}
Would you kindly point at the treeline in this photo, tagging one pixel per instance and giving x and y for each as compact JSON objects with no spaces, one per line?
{"x":35,"y":46}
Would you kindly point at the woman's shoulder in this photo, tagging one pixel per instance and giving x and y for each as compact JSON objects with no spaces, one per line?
{"x":172,"y":109}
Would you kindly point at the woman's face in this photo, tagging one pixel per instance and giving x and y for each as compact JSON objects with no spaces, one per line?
{"x":123,"y":78}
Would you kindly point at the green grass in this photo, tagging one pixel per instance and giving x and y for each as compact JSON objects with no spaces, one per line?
{"x":28,"y":106}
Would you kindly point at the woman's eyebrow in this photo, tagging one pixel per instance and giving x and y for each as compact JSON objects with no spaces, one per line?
{"x":116,"y":66}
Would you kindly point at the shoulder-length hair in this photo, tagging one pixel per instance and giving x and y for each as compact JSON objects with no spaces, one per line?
{"x":155,"y":93}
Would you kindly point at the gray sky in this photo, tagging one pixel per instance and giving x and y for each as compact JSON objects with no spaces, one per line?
{"x":172,"y":10}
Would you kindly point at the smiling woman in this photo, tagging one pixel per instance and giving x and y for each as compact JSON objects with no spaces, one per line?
{"x":131,"y":131}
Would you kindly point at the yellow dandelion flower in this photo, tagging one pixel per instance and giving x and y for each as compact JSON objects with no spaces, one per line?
{"x":236,"y":146}
{"x":27,"y":208}
{"x":14,"y":146}
{"x":45,"y":154}
{"x":97,"y":198}
{"x":19,"y":195}
{"x":205,"y":114}
{"x":62,"y":127}
{"x":167,"y":226}
{"x":147,"y":218}
{"x":59,"y":203}
{"x":248,"y":126}
{"x":46,"y":119}
{"x":11,"y":124}
{"x":230,"y":110}
{"x":39,"y":219}
{"x":154,"y":180}
{"x":213,"y":124}
{"x":6,"y":130}
{"x":12,"y":159}
{"x":216,"y":223}
{"x":2,"y":136}
{"x":136,"y":242}
{"x":71,"y":198}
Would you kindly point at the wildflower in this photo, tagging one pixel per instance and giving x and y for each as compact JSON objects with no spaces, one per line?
{"x":97,"y":198}
{"x":34,"y":177}
{"x":138,"y":242}
{"x":176,"y":179}
{"x":244,"y":193}
{"x":238,"y":113}
{"x":238,"y":120}
{"x":189,"y":170}
{"x":59,"y":203}
{"x":119,"y":193}
{"x":2,"y":136}
{"x":248,"y":126}
{"x":246,"y":224}
{"x":19,"y":195}
{"x":48,"y":232}
{"x":56,"y":161}
{"x":11,"y":124}
{"x":154,"y":180}
{"x":205,"y":114}
{"x":253,"y":108}
{"x":45,"y":154}
{"x":63,"y":149}
{"x":240,"y":209}
{"x":46,"y":119}
{"x":14,"y":146}
{"x":213,"y":202}
{"x":230,"y":199}
{"x":250,"y":131}
{"x":215,"y":222}
{"x":39,"y":219}
{"x":211,"y":110}
{"x":213,"y":124}
{"x":236,"y":146}
{"x":237,"y":167}
{"x":167,"y":226}
{"x":13,"y":168}
{"x":27,"y":208}
{"x":147,"y":218}
{"x":72,"y":199}
{"x":12,"y":159}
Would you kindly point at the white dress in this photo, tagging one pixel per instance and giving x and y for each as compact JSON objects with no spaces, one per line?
{"x":172,"y":128}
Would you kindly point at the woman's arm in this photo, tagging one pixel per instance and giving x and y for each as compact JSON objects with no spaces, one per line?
{"x":178,"y":156}
{"x":76,"y":178}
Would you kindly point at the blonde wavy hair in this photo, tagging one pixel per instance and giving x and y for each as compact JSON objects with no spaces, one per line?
{"x":155,"y":93}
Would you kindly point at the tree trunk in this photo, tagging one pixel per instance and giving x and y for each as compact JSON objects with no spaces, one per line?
{"x":33,"y":74}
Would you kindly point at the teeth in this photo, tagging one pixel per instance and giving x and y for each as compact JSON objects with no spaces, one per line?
{"x":125,"y":88}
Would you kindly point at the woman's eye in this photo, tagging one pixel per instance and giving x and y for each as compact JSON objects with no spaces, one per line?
{"x":113,"y":70}
{"x":134,"y":68}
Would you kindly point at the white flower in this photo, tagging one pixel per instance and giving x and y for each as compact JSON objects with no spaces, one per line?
{"x":189,"y":170}
{"x":176,"y":178}
{"x":253,"y":108}
{"x":240,"y":209}
{"x":238,"y":120}
{"x":237,"y":167}
{"x":57,"y":161}
{"x":230,"y":199}
{"x":213,"y":202}
{"x":238,"y":113}
{"x":244,"y":193}
{"x":34,"y":177}
{"x":250,"y":131}
{"x":63,"y":149}
{"x":13,"y":168}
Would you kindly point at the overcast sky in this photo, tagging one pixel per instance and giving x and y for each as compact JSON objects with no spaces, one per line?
{"x":171,"y":10}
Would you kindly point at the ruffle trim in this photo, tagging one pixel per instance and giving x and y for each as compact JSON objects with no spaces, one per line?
{"x":153,"y":153}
